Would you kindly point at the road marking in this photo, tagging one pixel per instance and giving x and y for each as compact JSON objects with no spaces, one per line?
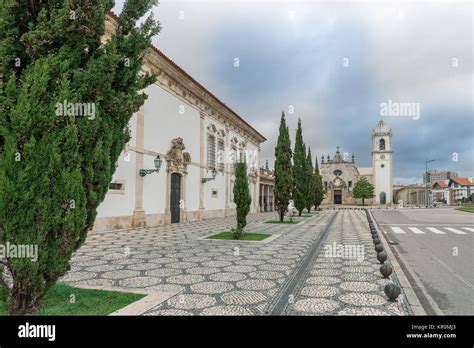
{"x":469,"y":229}
{"x":455,"y":230}
{"x":397,"y":230}
{"x":416,"y":230}
{"x":435,"y":230}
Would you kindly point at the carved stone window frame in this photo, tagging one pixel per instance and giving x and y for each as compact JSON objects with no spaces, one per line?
{"x":221,"y":157}
{"x":234,"y":153}
{"x":211,"y":134}
{"x":242,"y":156}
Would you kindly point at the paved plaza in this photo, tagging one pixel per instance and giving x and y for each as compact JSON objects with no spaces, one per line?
{"x":291,"y":274}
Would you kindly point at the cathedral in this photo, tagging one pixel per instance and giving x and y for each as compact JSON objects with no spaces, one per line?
{"x":340,"y":174}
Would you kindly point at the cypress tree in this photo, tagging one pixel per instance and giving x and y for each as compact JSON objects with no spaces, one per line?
{"x":310,"y":182}
{"x":56,"y":163}
{"x":299,"y":171}
{"x":318,"y":186}
{"x":242,"y":198}
{"x":283,"y":169}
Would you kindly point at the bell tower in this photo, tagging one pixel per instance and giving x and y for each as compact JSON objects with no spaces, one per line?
{"x":382,"y":154}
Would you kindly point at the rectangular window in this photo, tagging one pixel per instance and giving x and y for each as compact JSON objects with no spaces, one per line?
{"x":220,"y":155}
{"x":211,"y":151}
{"x":115,"y":186}
{"x":118,"y":186}
{"x":350,"y":184}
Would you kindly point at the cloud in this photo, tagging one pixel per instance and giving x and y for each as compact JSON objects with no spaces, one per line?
{"x":292,"y":53}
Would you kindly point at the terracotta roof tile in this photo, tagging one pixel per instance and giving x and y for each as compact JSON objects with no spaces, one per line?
{"x":463,"y":181}
{"x":441,"y":183}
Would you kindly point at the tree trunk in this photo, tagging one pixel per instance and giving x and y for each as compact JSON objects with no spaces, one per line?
{"x":363,"y":201}
{"x":23,"y":301}
{"x":282,"y":215}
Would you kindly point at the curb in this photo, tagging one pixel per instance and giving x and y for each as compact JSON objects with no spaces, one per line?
{"x":407,"y":288}
{"x":266,"y":240}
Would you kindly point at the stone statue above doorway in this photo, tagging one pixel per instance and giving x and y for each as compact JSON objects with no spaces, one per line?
{"x":177,"y":159}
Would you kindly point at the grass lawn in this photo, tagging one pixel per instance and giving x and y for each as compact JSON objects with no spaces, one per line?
{"x":87,"y":301}
{"x":467,"y":208}
{"x":279,"y":222}
{"x":245,"y":236}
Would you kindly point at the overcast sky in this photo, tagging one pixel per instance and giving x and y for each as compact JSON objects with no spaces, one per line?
{"x":335,"y":63}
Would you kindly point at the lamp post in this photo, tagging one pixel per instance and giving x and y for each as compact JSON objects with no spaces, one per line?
{"x":426,"y":181}
{"x":157,"y":161}
{"x":214,"y":174}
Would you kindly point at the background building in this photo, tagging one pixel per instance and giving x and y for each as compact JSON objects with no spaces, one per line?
{"x":195,"y":135}
{"x":410,"y":195}
{"x":453,"y":191}
{"x":267,"y":183}
{"x":438,"y":175}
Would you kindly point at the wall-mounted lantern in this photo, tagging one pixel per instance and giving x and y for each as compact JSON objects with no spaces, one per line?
{"x":214,"y":174}
{"x":157,"y":162}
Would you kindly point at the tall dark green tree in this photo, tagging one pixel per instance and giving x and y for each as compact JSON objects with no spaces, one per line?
{"x":299,"y":171}
{"x":56,"y":163}
{"x":318,"y":186}
{"x":310,"y":183}
{"x":242,"y":198}
{"x":363,"y":189}
{"x":283,"y":169}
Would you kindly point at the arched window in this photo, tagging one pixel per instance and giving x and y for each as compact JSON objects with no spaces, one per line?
{"x":382,"y":144}
{"x":383,"y":198}
{"x":325,"y":185}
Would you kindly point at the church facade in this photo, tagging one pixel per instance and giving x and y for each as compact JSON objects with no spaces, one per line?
{"x":179,"y":163}
{"x":340,"y":173}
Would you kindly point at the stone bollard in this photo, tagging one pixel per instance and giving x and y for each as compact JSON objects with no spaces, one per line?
{"x":386,"y":270}
{"x":392,"y":291}
{"x":382,"y":256}
{"x":378,"y":248}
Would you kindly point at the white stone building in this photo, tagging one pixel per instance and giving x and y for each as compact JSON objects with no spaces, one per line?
{"x":194,"y":134}
{"x":340,"y":173}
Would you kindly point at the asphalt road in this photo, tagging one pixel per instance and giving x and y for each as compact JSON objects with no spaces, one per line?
{"x":437,"y":245}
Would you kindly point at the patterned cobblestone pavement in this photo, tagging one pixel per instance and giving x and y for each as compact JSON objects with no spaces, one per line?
{"x":214,"y":277}
{"x":347,"y":285}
